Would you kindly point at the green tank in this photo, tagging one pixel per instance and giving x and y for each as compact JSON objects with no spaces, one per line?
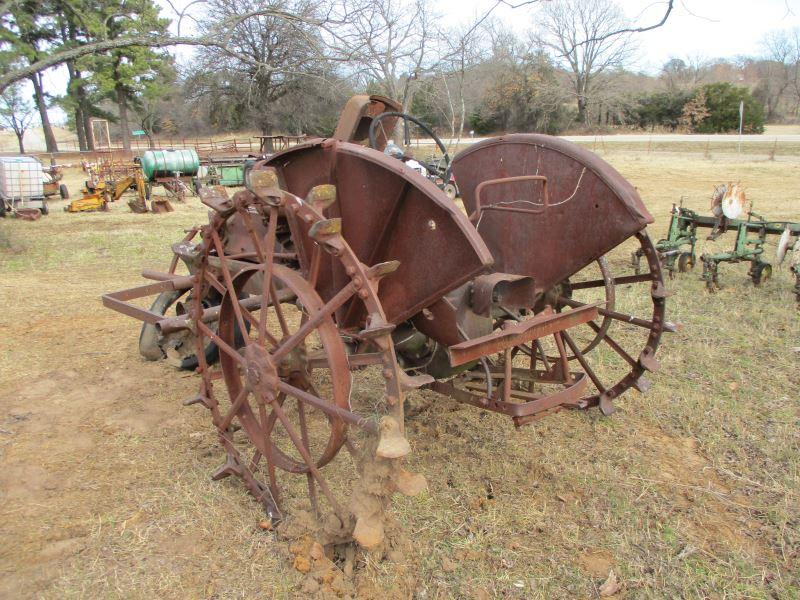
{"x":165,"y":163}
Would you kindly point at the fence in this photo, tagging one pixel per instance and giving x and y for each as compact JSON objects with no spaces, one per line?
{"x":203,"y":147}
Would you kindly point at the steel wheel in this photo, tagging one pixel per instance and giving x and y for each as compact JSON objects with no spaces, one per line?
{"x":616,"y":349}
{"x":289,"y":382}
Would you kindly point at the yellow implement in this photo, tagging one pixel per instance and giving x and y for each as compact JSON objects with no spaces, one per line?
{"x":97,"y":196}
{"x":90,"y":201}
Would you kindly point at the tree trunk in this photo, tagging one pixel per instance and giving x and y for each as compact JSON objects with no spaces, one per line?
{"x":83,"y":110}
{"x":87,"y":127}
{"x":122,"y":103}
{"x":47,"y":130}
{"x":82,"y":113}
{"x":20,"y":136}
{"x":581,"y":109}
{"x":79,"y":128}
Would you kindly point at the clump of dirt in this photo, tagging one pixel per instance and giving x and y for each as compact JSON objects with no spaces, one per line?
{"x":325,"y":550}
{"x":596,"y":562}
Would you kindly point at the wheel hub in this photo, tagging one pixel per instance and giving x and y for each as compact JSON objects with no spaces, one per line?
{"x":260,"y":374}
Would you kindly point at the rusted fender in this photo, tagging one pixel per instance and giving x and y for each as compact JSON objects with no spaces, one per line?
{"x":546,"y":207}
{"x":388,"y":212}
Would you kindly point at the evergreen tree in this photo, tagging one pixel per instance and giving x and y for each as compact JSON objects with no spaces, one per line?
{"x":722,"y":102}
{"x":129,"y":75}
{"x":27,"y":30}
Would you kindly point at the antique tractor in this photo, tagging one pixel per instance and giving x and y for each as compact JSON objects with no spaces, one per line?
{"x":340,"y":279}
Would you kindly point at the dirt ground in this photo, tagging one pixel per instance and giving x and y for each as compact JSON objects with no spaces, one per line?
{"x":689,"y":491}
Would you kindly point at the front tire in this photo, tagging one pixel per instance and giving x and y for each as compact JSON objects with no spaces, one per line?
{"x":685,"y":262}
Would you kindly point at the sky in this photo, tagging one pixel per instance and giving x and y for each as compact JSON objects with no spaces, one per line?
{"x":695,"y":29}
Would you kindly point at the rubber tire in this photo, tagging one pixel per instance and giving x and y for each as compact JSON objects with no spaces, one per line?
{"x":148,"y":337}
{"x":685,"y":262}
{"x":63,"y":191}
{"x":762,"y":273}
{"x":44,"y":210}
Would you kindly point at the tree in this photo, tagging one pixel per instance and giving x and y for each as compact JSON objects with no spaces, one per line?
{"x":779,"y":70}
{"x":694,"y":112}
{"x":123,"y":75}
{"x":390,"y":44}
{"x":26,"y":29}
{"x":683,"y":75}
{"x":722,"y":102}
{"x":236,"y":78}
{"x":661,"y":109}
{"x":524,"y":93}
{"x":149,"y":105}
{"x":583,"y":37}
{"x":16,"y":113}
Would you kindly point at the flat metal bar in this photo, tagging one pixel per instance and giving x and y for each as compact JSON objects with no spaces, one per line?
{"x":118,"y":301}
{"x":568,"y":395}
{"x":519,"y":333}
{"x":772,"y":227}
{"x":131,"y":311}
{"x":581,"y":285}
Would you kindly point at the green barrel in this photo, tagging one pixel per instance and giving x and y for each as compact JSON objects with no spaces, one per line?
{"x":165,"y":163}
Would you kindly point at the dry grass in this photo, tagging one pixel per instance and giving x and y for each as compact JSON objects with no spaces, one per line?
{"x":690,"y":491}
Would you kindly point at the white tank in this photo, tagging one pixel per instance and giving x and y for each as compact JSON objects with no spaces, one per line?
{"x":21,"y":178}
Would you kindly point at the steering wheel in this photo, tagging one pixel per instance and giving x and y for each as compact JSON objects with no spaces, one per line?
{"x":432,"y":169}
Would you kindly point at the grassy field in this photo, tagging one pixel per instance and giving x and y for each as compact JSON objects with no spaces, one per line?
{"x":689,"y":491}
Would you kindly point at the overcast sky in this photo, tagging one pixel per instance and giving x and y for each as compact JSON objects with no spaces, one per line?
{"x":705,"y":28}
{"x":696,"y":28}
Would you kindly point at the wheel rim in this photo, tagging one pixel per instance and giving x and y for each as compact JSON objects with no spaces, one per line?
{"x":256,"y":454}
{"x":295,"y":369}
{"x":619,"y":355}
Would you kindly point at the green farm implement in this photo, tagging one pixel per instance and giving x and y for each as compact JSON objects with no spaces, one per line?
{"x":678,"y":250}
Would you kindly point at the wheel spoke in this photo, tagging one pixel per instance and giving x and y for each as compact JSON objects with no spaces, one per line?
{"x":266,"y":425}
{"x":610,"y":313}
{"x":312,"y":467}
{"x":235,"y":406}
{"x":582,"y":360}
{"x":312,"y":490}
{"x":269,"y":242}
{"x":273,"y":293}
{"x":229,"y":284}
{"x":614,"y":345}
{"x":313,"y":271}
{"x":248,"y":223}
{"x":306,"y":328}
{"x":327,"y":407}
{"x":542,"y":355}
{"x":221,"y":344}
{"x":215,"y":283}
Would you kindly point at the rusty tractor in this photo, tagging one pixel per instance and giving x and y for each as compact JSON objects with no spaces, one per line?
{"x":341,"y":279}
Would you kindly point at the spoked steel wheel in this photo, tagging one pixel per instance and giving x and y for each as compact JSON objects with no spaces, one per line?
{"x":616,"y":349}
{"x":290,"y":386}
